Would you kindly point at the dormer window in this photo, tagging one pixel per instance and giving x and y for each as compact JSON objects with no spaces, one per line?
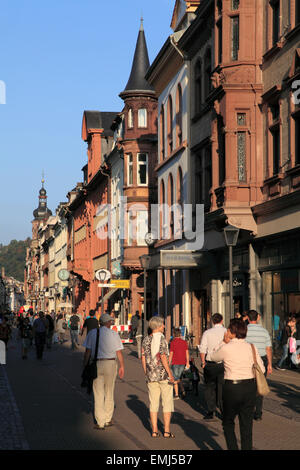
{"x":130,"y":118}
{"x":142,"y":117}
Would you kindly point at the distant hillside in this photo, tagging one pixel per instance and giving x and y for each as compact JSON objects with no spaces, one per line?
{"x":12,"y":258}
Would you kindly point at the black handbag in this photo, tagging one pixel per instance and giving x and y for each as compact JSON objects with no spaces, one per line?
{"x":89,"y":373}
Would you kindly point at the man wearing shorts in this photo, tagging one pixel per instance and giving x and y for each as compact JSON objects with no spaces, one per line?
{"x":160,"y":379}
{"x":179,"y":359}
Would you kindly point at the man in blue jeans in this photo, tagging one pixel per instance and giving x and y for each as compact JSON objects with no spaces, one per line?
{"x":74,"y":325}
{"x":260,"y":337}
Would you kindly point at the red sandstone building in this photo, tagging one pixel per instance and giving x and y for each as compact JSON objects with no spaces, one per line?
{"x":139,"y":147}
{"x":87,"y":215}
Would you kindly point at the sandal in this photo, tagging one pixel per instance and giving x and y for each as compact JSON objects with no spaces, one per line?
{"x":155,"y":434}
{"x":169,"y":435}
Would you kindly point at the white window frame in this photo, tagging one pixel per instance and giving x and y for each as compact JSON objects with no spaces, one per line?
{"x":129,"y":168}
{"x":142,"y":118}
{"x":138,"y":168}
{"x":130,"y":118}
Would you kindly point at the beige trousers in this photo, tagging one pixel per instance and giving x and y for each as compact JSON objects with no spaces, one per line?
{"x":103,"y":388}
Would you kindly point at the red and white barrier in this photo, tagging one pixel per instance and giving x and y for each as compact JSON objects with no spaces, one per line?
{"x":124,"y":332}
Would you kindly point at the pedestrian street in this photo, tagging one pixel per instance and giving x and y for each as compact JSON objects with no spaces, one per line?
{"x":43,"y":407}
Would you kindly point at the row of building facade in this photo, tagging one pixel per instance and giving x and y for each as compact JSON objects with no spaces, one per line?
{"x":208,"y":137}
{"x":11,"y":293}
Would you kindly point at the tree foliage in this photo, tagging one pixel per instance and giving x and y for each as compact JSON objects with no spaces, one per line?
{"x":13,"y":257}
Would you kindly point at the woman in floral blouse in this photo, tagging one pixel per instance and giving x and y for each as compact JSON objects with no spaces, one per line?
{"x":160,"y":379}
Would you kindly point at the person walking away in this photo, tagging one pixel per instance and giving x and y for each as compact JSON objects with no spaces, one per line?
{"x":139,"y":336}
{"x":59,"y":328}
{"x":179,"y":359}
{"x":195,"y":376}
{"x":285,"y":334}
{"x":260,"y":337}
{"x":74,"y":326}
{"x":239,"y":390}
{"x":50,"y":332}
{"x":40,"y":328}
{"x":213,"y":371}
{"x":90,"y":323}
{"x":109,"y":350}
{"x":160,"y":379}
{"x":26,"y":336}
{"x":134,"y":324}
{"x":4,"y":331}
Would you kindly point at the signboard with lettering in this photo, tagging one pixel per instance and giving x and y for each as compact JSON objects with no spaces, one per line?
{"x":121,"y":283}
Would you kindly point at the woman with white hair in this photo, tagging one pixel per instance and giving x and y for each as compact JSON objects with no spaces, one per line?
{"x":160,"y":379}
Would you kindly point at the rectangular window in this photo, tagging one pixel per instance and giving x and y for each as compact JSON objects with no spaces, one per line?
{"x":241,"y":145}
{"x":275,"y":5}
{"x":235,"y":4}
{"x":208,"y":177}
{"x":235,"y":37}
{"x":297,"y":140}
{"x":276,"y":150}
{"x":142,"y":169}
{"x":141,"y":227}
{"x":297,"y":12}
{"x":130,"y":170}
{"x":130,"y":118}
{"x":220,"y":40}
{"x":142,"y":117}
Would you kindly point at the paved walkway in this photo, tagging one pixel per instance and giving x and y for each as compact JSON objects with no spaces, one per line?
{"x":44,"y":407}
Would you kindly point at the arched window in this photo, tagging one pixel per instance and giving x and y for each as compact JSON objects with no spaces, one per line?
{"x":179,"y":203}
{"x":207,"y":73}
{"x":162,"y":201}
{"x":170,"y":125}
{"x":171,"y":203}
{"x":130,"y":118}
{"x":162,"y":133}
{"x":179,"y":187}
{"x":179,"y":116}
{"x":198,"y":86}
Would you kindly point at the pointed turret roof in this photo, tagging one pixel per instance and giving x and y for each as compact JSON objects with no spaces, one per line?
{"x":42,"y":212}
{"x":140,"y":65}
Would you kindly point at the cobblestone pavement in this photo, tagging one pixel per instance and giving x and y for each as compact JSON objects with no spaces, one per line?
{"x":44,"y":408}
{"x":12,"y":435}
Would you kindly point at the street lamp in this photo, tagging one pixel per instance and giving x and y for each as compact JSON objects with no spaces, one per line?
{"x":145,"y":263}
{"x":231,"y":235}
{"x":102,"y":276}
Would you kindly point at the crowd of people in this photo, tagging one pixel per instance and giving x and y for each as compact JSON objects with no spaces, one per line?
{"x":226,"y":356}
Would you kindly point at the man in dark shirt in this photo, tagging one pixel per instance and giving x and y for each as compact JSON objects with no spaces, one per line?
{"x":90,"y":322}
{"x":40,"y":328}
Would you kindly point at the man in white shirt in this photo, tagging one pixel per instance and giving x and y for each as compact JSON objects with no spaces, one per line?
{"x":109,"y":350}
{"x":213,"y":371}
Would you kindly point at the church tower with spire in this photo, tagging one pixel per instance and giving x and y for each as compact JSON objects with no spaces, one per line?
{"x":41,"y":213}
{"x":139,"y":145}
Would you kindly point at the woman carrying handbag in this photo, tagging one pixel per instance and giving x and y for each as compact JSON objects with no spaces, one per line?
{"x":240,"y":389}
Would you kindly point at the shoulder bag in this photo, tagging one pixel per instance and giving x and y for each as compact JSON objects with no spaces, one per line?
{"x":89,"y":373}
{"x":261,"y":382}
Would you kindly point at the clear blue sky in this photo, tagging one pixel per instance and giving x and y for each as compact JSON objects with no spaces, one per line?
{"x":58,"y":59}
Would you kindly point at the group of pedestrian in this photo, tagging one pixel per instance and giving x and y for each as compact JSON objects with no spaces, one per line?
{"x":227,"y":361}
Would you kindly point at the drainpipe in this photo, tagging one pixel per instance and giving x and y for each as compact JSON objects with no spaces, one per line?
{"x":186,"y":272}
